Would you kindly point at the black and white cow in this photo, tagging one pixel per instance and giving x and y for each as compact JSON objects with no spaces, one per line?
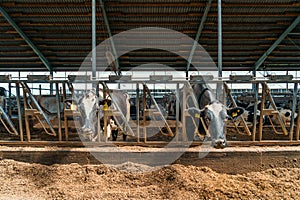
{"x":213,"y":112}
{"x":286,"y":116}
{"x":89,"y":105}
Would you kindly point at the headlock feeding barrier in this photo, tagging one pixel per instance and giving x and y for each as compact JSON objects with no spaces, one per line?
{"x":157,"y":114}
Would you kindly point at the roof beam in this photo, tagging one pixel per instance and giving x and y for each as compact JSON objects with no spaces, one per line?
{"x":110,"y":37}
{"x":200,"y":28}
{"x":27,"y":40}
{"x":275,"y":44}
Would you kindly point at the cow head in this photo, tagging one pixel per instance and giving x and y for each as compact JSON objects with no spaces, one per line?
{"x":215,"y":115}
{"x":88,"y":107}
{"x":286,"y":115}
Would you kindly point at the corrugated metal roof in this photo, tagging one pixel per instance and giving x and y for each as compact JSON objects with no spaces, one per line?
{"x":61,"y":29}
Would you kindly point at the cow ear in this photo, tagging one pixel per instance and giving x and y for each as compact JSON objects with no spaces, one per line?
{"x":235,"y":112}
{"x":103,"y":101}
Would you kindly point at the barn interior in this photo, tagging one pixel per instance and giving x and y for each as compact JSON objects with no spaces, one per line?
{"x":250,"y":46}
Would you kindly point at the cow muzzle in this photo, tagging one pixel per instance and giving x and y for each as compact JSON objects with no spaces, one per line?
{"x":219,"y":143}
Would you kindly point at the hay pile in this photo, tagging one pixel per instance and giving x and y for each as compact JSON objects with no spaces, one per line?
{"x":130,"y":181}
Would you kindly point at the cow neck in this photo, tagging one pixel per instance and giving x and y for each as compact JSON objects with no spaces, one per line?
{"x":201,"y":95}
{"x":211,"y":101}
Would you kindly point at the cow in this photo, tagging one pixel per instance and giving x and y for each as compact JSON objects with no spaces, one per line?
{"x":249,"y":112}
{"x":286,"y":116}
{"x":170,"y":105}
{"x":89,"y":104}
{"x":212,"y":111}
{"x":284,"y":113}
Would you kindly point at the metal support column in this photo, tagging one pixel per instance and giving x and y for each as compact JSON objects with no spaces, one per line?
{"x":137,"y":103}
{"x":219,"y":86}
{"x":57,"y":95}
{"x":219,"y":38}
{"x":19,"y":112}
{"x":177,"y":112}
{"x":293,"y":110}
{"x":256,"y":87}
{"x":94,"y":56}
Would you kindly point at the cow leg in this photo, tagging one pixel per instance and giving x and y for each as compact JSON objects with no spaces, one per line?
{"x":124,"y":137}
{"x":114,"y":134}
{"x":108,"y":133}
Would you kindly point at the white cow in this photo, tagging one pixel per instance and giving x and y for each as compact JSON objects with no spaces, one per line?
{"x":89,"y":105}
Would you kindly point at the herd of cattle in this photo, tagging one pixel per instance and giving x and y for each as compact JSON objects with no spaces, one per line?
{"x":210,"y":109}
{"x":210,"y":114}
{"x":284,"y":113}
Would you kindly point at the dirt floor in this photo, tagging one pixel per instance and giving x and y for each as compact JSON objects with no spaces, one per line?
{"x":73,"y":181}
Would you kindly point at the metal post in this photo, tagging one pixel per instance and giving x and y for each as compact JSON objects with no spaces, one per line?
{"x":256,"y":87}
{"x":219,"y":38}
{"x":58,"y":111}
{"x":9,"y":101}
{"x":293,"y":110}
{"x":94,"y":39}
{"x":137,"y":105}
{"x":262,"y":107}
{"x":66,"y":124}
{"x":219,"y":86}
{"x":144,"y":113}
{"x":51,"y":84}
{"x":19,"y":112}
{"x":298,"y":124}
{"x":177,"y":112}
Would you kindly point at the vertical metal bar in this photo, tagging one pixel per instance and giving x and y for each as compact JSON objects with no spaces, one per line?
{"x":184,"y":107}
{"x":263,"y":98}
{"x":144,"y":113}
{"x":26,"y":115}
{"x":94,"y":39}
{"x":98,"y":116}
{"x":137,"y":103}
{"x":220,"y":59}
{"x":219,"y":38}
{"x":19,"y":112}
{"x":293,"y":110}
{"x":256,"y":87}
{"x":177,"y":111}
{"x":58,"y":111}
{"x":298,"y":124}
{"x":9,"y":101}
{"x":66,"y":124}
{"x":51,"y":84}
